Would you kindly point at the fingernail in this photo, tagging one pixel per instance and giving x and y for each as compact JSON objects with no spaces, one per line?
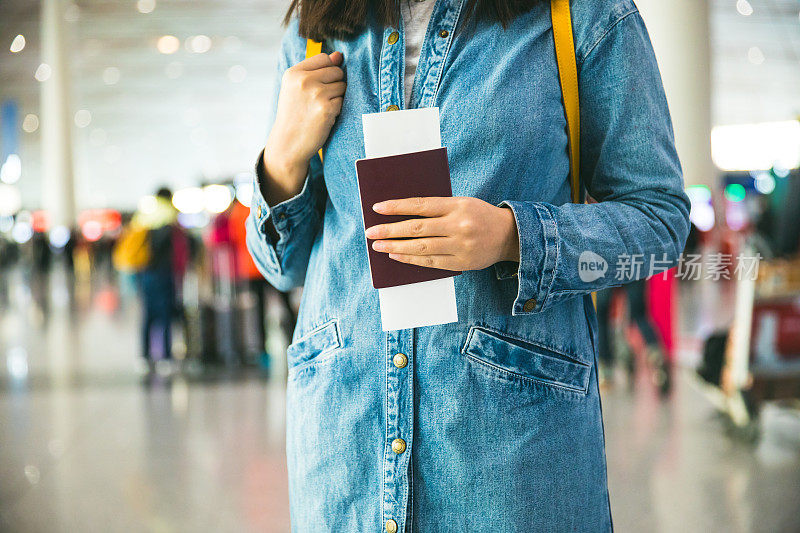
{"x":370,"y":232}
{"x":378,"y":206}
{"x":377,"y":246}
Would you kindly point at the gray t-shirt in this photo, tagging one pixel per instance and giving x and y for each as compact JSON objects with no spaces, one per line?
{"x":416,"y":15}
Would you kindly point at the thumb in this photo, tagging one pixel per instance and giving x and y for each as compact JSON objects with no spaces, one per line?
{"x":337,"y":58}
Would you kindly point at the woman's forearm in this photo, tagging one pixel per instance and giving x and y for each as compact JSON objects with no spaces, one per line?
{"x":283,"y":178}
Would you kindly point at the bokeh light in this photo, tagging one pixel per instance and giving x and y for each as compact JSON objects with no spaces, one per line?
{"x":189,"y":200}
{"x":735,"y":192}
{"x":168,"y":44}
{"x":217,"y":198}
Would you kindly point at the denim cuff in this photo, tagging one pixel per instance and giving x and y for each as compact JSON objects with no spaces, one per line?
{"x":538,"y":256}
{"x":276,"y":222}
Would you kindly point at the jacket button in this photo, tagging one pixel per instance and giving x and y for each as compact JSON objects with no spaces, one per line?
{"x":398,"y":446}
{"x":393,"y":37}
{"x":529,"y":306}
{"x":400,"y":360}
{"x":259,"y":211}
{"x":392,"y":108}
{"x":444,"y":33}
{"x":391,"y":526}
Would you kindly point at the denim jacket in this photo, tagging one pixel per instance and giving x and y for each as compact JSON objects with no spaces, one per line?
{"x":492,"y":423}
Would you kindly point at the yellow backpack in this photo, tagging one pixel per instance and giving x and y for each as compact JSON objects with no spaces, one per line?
{"x":132,"y":250}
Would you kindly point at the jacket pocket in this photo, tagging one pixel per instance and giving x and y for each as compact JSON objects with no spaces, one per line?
{"x":515,"y":359}
{"x":314,"y":346}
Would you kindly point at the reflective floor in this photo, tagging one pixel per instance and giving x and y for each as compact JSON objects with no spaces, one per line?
{"x":87,"y":444}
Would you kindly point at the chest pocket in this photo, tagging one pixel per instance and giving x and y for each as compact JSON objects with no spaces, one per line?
{"x":513,"y":359}
{"x":314,"y":347}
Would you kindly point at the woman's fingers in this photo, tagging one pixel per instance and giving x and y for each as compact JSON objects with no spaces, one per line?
{"x":416,"y":227}
{"x":332,"y":90}
{"x":426,"y":246}
{"x":445,"y":262}
{"x":328,"y":74}
{"x":429,"y":206}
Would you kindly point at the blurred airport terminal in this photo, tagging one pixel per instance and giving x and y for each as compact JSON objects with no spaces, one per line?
{"x":124,"y":116}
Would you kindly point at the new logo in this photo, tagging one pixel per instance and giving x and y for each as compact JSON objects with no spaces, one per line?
{"x":591,"y":266}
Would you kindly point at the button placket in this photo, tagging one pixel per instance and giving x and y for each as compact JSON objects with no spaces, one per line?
{"x":399,"y":421}
{"x":435,"y":50}
{"x":391,"y":60}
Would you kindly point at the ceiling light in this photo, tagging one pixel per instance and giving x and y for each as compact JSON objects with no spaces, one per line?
{"x":43,"y":72}
{"x":744,"y":8}
{"x":199,"y":44}
{"x":146,"y":6}
{"x":168,"y":44}
{"x":83,"y":118}
{"x":30,"y":123}
{"x":17,"y":44}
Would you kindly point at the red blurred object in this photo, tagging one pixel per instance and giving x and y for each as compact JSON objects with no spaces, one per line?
{"x":245,"y":267}
{"x":776,"y":331}
{"x":662,"y":297}
{"x":40,"y":221}
{"x":107,"y":300}
{"x":107,"y":219}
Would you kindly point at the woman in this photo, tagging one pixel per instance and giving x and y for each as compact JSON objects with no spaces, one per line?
{"x":492,"y":423}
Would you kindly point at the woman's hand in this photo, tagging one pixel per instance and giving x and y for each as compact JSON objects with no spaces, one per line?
{"x":458,"y":234}
{"x":310,"y":99}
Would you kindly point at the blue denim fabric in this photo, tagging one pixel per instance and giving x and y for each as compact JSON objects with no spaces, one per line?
{"x":500,"y":411}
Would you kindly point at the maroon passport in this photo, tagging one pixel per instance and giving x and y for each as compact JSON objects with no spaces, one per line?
{"x":423,"y":173}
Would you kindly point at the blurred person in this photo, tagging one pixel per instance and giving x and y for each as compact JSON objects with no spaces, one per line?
{"x":9,"y":252}
{"x":605,"y":335}
{"x":250,"y":280}
{"x":41,"y":260}
{"x":655,"y":354}
{"x":492,"y":423}
{"x":156,"y":281}
{"x":614,"y":346}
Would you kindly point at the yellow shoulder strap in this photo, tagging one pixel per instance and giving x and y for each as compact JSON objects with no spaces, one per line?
{"x":313,"y":48}
{"x":568,"y":75}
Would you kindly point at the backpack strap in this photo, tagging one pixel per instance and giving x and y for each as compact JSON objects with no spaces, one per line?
{"x":568,"y":76}
{"x":313,"y":48}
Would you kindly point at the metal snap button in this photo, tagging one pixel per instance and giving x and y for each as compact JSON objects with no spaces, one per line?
{"x":398,"y":446}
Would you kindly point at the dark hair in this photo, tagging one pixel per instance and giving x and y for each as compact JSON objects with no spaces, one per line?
{"x":164,"y":193}
{"x":341,"y":19}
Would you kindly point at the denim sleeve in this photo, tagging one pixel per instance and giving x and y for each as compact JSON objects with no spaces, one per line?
{"x":280,"y":236}
{"x":639,"y":225}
